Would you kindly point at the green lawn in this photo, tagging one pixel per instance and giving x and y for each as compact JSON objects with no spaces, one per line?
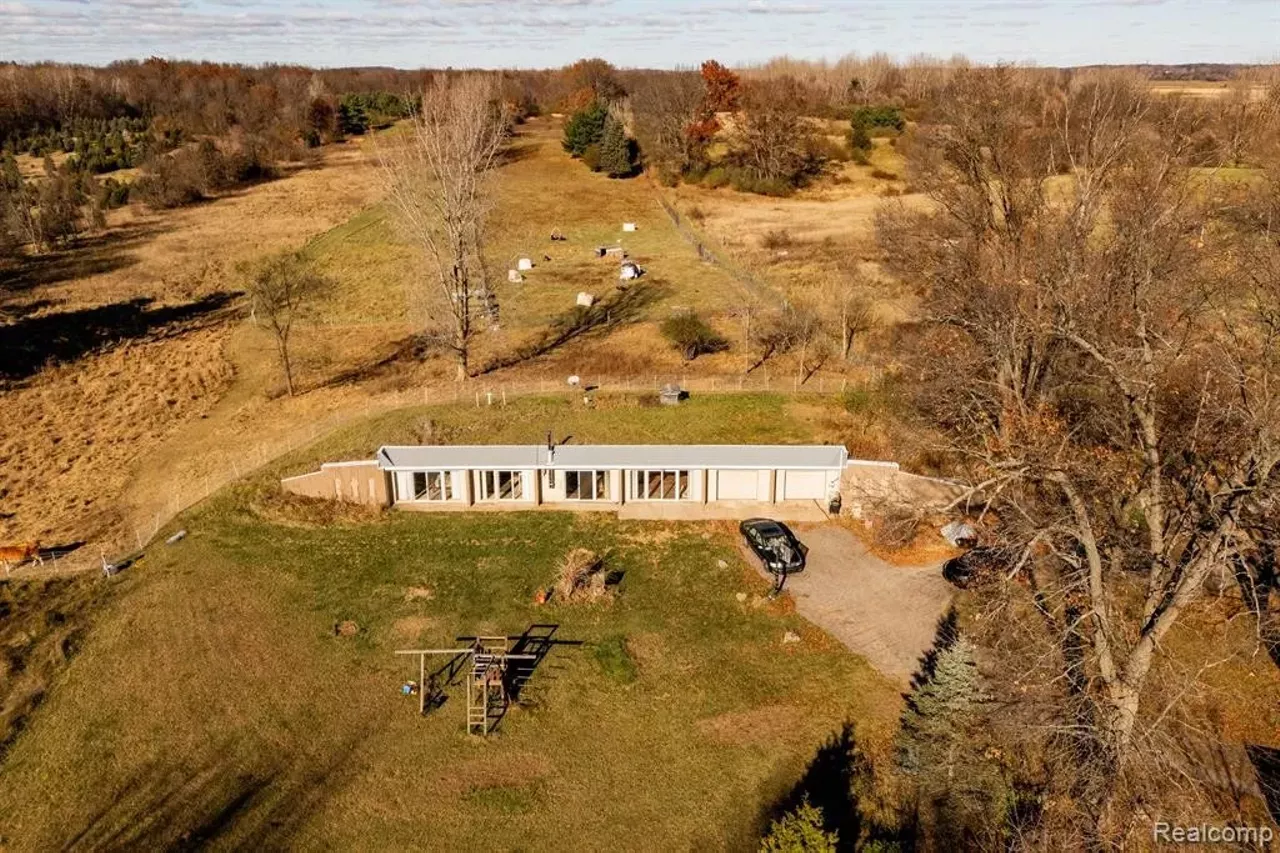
{"x":212,"y":702}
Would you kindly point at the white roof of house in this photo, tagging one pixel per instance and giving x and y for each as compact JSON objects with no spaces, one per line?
{"x":492,"y":456}
{"x":589,"y":456}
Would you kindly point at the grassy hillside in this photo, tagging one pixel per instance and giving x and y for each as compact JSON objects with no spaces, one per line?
{"x":211,"y":701}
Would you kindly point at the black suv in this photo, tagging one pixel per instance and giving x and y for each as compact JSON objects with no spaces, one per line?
{"x":775,"y":545}
{"x":978,"y":565}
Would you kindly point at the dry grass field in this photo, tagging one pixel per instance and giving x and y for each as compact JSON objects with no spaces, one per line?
{"x":115,"y":343}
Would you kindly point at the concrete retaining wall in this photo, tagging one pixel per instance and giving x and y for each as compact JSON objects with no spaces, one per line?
{"x":356,"y":482}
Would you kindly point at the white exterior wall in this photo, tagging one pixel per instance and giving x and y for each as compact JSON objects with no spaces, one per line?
{"x":802,"y":485}
{"x":764,"y":485}
{"x":550,"y":494}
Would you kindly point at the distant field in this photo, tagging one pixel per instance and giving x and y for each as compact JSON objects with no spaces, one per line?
{"x":1201,"y":88}
{"x":211,"y":702}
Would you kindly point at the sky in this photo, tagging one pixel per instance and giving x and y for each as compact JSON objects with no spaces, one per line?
{"x":637,"y":33}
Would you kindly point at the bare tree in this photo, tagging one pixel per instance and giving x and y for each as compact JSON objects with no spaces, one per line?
{"x":438,"y":180}
{"x":664,"y":105}
{"x":852,"y":307}
{"x":810,"y":339}
{"x":772,"y":139}
{"x":746,"y":312}
{"x":282,"y":290}
{"x":1101,"y":376}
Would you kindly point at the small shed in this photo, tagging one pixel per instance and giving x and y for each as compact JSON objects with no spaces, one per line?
{"x":514,"y":277}
{"x":630,"y":270}
{"x":524,"y":264}
{"x":671,"y":394}
{"x":628,"y":226}
{"x":586,"y":300}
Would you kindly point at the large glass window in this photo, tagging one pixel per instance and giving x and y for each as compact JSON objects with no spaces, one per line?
{"x":586,"y":485}
{"x":432,"y":486}
{"x":501,"y":485}
{"x":664,"y":485}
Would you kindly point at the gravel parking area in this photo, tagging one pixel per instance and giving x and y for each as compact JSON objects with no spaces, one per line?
{"x":888,"y":614}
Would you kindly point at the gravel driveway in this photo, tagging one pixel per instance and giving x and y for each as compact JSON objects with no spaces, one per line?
{"x":888,"y":614}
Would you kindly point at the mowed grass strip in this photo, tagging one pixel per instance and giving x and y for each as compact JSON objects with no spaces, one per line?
{"x":212,"y":701}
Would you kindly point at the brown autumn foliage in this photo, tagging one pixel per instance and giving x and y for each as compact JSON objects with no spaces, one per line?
{"x":1105,"y":363}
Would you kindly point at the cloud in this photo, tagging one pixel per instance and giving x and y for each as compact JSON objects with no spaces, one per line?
{"x":769,"y":7}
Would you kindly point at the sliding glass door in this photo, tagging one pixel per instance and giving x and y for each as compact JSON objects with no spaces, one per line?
{"x":586,"y":485}
{"x":663,"y":485}
{"x":430,"y":486}
{"x":501,"y":486}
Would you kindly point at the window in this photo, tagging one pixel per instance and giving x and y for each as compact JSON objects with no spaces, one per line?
{"x":501,"y":485}
{"x":432,"y":486}
{"x":586,"y":485}
{"x":664,"y":485}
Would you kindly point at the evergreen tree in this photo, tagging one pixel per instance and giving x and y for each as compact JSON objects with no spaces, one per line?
{"x":859,"y":139}
{"x":941,"y":709}
{"x":799,"y":831}
{"x":617,"y":151}
{"x":585,"y":128}
{"x":962,"y":795}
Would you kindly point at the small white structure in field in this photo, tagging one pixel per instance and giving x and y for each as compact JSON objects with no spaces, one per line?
{"x":524,"y":264}
{"x":630,"y":270}
{"x":586,"y":300}
{"x":575,"y":380}
{"x":514,"y":277}
{"x":628,"y":226}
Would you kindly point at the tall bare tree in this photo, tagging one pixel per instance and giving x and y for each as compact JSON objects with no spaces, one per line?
{"x":438,"y":178}
{"x":1104,"y":375}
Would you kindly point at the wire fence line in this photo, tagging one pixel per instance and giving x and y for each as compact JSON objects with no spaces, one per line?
{"x":187,"y":491}
{"x":754,"y":285}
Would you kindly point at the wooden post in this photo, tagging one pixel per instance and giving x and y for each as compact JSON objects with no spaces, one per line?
{"x":422,"y":684}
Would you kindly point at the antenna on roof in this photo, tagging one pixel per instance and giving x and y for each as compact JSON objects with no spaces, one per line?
{"x":551,"y":448}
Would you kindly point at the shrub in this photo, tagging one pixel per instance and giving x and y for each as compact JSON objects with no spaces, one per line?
{"x":896,"y":527}
{"x":859,"y":139}
{"x":591,"y":157}
{"x":744,"y":181}
{"x":716,"y":178}
{"x":113,"y":194}
{"x":882,"y":175}
{"x":831,"y":150}
{"x":859,"y":157}
{"x":690,"y":334}
{"x":779,"y":238}
{"x":879,"y":118}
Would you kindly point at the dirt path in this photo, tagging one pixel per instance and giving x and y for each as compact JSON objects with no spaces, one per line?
{"x":888,"y":614}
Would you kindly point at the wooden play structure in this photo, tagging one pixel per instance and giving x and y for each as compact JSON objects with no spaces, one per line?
{"x":492,"y":669}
